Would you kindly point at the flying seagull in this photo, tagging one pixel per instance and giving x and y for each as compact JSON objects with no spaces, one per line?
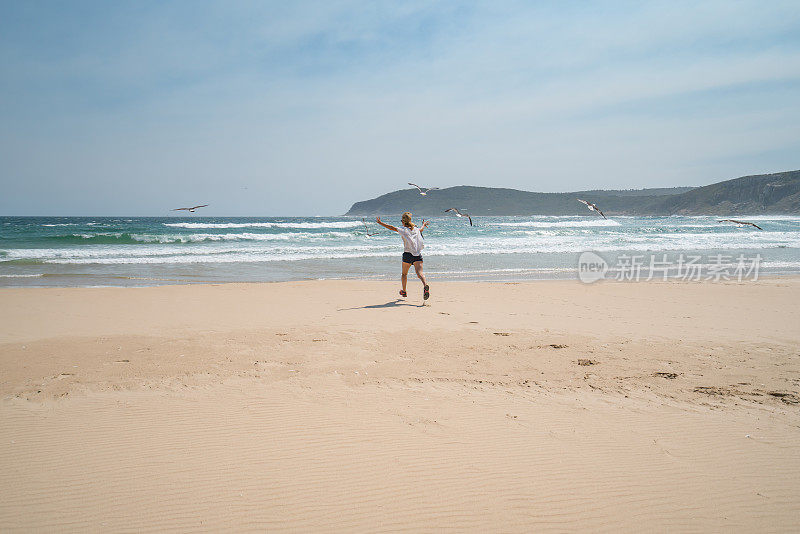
{"x":190,"y":210}
{"x":741,"y":223}
{"x":423,"y":190}
{"x":592,"y":207}
{"x":459,"y":214}
{"x":367,"y":228}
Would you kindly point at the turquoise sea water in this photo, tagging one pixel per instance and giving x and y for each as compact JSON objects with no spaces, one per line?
{"x":99,"y":251}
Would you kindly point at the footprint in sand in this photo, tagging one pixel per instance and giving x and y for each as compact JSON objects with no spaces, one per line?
{"x":788,"y":398}
{"x":667,"y":375}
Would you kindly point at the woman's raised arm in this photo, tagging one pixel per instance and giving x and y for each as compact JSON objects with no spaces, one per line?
{"x":387,"y":226}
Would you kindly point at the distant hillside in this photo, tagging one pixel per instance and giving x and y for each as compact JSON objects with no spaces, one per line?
{"x":762,"y":193}
{"x":766,"y":193}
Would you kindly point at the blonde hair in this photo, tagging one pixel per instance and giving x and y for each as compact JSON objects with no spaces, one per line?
{"x":406,"y":220}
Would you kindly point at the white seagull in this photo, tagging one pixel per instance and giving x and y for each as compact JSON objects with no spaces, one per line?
{"x":592,"y":207}
{"x":459,"y":214}
{"x":367,"y":228}
{"x":741,"y":223}
{"x":190,"y":210}
{"x":423,"y":190}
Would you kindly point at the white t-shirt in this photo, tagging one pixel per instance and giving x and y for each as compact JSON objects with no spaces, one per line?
{"x":412,"y":240}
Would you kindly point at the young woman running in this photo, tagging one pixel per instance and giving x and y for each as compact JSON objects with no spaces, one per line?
{"x":412,"y":250}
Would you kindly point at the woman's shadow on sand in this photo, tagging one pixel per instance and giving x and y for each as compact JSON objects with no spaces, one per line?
{"x":396,"y":303}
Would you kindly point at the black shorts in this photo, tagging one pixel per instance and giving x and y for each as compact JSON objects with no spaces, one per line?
{"x":410,"y":258}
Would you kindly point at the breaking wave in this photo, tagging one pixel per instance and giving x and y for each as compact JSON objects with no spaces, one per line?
{"x":338,"y":224}
{"x":560,"y":224}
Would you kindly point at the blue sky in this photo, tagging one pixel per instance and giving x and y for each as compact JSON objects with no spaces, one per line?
{"x":281,"y":108}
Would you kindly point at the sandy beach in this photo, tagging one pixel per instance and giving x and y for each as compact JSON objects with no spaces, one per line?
{"x":332,"y":406}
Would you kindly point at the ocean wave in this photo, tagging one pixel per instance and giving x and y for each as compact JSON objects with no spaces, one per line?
{"x":97,"y":238}
{"x":79,"y":224}
{"x":266,"y":255}
{"x":698,"y":225}
{"x":22,"y":261}
{"x":334,"y":224}
{"x":20,"y":275}
{"x":124,"y":247}
{"x":122,"y":238}
{"x":164,"y":242}
{"x":561,"y":224}
{"x":781,"y":264}
{"x":781,"y":218}
{"x":240,"y":257}
{"x":204,"y":238}
{"x":285,"y":249}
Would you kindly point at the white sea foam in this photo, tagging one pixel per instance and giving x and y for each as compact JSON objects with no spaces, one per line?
{"x":781,"y":264}
{"x":697,"y":225}
{"x":232,"y":247}
{"x":333,"y":224}
{"x":236,"y":257}
{"x":168,"y":252}
{"x":791,"y":218}
{"x":561,"y":224}
{"x":245,"y":236}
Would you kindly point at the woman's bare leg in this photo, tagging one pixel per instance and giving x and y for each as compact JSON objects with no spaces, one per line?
{"x":418,"y":268}
{"x":404,"y":276}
